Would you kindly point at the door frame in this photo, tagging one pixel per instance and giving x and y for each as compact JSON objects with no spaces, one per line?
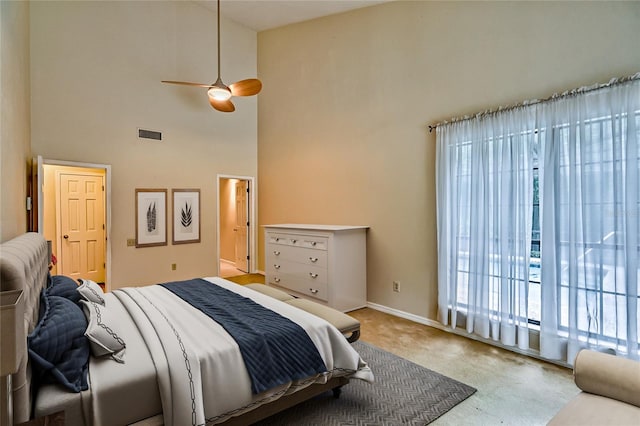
{"x":251,"y":265}
{"x":107,"y":183}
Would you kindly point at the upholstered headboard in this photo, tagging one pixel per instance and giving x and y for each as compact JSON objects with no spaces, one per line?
{"x":24,"y":265}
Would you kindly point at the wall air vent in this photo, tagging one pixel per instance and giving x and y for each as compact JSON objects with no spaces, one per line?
{"x":149,"y":134}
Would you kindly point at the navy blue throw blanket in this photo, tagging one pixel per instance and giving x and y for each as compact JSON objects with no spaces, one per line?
{"x":275,"y":350}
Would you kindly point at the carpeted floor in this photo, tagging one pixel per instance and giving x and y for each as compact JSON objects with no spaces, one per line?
{"x":513,"y":389}
{"x":403,"y":393}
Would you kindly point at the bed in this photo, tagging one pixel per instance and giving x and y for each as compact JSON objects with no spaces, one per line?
{"x":176,"y":365}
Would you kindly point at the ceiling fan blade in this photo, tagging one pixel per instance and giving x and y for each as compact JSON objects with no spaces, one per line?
{"x":224,"y":106}
{"x":186,"y":83}
{"x":248,"y":87}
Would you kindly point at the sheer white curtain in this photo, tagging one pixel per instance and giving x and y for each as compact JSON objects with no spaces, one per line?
{"x":484,"y":194}
{"x":584,"y":148}
{"x":590,"y":222}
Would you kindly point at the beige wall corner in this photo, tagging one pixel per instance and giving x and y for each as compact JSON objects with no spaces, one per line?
{"x":347,"y":99}
{"x":15,"y":118}
{"x":96,"y":70}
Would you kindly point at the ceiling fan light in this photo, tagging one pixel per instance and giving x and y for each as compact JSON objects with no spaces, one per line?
{"x":219,"y":93}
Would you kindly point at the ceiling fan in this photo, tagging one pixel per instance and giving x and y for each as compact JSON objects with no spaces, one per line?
{"x":219,"y":93}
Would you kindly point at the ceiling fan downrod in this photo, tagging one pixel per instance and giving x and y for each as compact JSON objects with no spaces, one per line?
{"x":219,"y":91}
{"x":220,"y":94}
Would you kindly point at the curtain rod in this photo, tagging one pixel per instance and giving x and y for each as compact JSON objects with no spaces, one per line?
{"x":554,"y":97}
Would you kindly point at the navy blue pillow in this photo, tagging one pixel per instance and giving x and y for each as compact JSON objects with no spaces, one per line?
{"x":64,"y":287}
{"x":58,"y":348}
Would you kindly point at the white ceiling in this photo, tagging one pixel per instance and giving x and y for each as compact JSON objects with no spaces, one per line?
{"x":262,"y":15}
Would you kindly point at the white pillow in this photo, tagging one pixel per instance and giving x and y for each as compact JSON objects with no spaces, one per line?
{"x":90,"y":291}
{"x":102,"y":331}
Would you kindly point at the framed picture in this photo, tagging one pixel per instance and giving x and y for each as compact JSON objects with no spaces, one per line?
{"x":151,"y":217}
{"x":186,"y":216}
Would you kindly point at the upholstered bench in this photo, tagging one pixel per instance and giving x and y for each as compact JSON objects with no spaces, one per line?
{"x":270,"y":291}
{"x":347,"y":325}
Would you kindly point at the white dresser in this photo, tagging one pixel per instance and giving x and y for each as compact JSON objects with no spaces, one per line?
{"x":324,"y":263}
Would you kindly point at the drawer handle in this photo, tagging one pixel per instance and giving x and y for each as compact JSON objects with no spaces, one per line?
{"x":277,"y":280}
{"x":294,"y":241}
{"x":277,"y":239}
{"x":276,"y":266}
{"x":276,"y":252}
{"x":313,"y":243}
{"x":313,"y":275}
{"x":313,"y":291}
{"x":313,"y":259}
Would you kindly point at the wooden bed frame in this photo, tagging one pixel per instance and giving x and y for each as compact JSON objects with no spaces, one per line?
{"x":24,"y":263}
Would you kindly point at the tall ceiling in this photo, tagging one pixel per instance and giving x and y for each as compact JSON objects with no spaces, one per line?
{"x":262,"y":15}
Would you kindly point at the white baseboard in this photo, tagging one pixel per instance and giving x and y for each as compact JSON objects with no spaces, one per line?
{"x":405,"y":315}
{"x":461,"y":332}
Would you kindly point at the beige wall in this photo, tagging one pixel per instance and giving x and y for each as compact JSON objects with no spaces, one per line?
{"x":95,"y":79}
{"x":347,"y":99}
{"x":15,"y":135}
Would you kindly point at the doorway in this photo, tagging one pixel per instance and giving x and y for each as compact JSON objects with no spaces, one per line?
{"x":235,"y":225}
{"x":74,"y":202}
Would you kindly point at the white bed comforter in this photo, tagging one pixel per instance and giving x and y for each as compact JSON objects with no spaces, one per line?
{"x":201,"y":375}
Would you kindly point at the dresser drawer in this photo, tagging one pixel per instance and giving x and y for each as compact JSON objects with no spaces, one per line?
{"x":316,"y":243}
{"x":293,"y":269}
{"x":280,"y":239}
{"x":295,"y":240}
{"x":304,"y":286}
{"x":306,"y":279}
{"x":307,"y":256}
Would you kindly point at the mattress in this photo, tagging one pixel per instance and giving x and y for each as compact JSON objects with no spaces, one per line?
{"x":128,"y":392}
{"x":148,"y":382}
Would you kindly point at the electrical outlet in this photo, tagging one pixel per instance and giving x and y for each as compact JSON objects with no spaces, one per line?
{"x":173,"y":266}
{"x":131,"y":242}
{"x":396,"y":286}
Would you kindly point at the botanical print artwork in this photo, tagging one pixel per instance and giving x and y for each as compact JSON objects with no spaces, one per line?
{"x":186,"y":216}
{"x":151,"y":219}
{"x":186,"y":219}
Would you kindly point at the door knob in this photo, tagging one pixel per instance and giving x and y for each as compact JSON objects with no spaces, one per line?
{"x":66,"y":237}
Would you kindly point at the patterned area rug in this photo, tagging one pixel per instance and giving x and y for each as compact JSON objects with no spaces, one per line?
{"x":403,"y":393}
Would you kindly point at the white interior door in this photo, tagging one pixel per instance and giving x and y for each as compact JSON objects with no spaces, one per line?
{"x":82,"y":226}
{"x":242,"y":225}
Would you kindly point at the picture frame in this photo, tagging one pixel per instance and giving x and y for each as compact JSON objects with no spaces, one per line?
{"x":151,"y":217}
{"x":186,"y":216}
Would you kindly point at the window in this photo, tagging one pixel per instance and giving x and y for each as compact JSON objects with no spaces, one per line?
{"x":539,"y":222}
{"x":534,"y":265}
{"x":593,"y":241}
